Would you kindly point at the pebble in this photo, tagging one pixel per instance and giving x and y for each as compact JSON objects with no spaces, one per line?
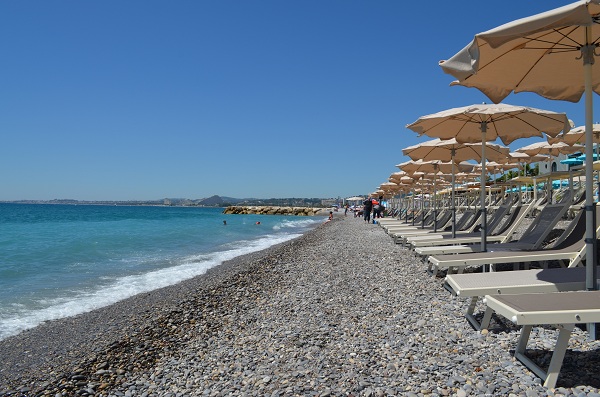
{"x":340,"y":311}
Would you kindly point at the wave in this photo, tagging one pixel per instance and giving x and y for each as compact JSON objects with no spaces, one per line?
{"x":117,"y":289}
{"x":296,"y":223}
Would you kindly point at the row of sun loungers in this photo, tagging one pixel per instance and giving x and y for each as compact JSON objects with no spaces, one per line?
{"x":530,"y":297}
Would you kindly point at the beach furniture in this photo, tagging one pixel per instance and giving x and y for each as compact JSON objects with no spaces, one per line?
{"x":467,"y":223}
{"x":419,"y":221}
{"x":477,"y":285}
{"x":569,"y":247}
{"x":497,"y":224}
{"x":561,"y":309}
{"x":496,"y":218}
{"x":443,"y":219}
{"x":446,"y":245}
{"x":500,"y":228}
{"x":531,"y":239}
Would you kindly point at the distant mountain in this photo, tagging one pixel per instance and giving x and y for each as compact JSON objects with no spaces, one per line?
{"x":232,"y":200}
{"x":212,"y":201}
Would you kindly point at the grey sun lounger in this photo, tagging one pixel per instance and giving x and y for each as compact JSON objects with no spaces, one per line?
{"x":461,"y":244}
{"x":501,"y":233}
{"x":527,"y":246}
{"x":477,"y":285}
{"x":443,"y":218}
{"x":497,"y":224}
{"x":466,"y":224}
{"x":563,"y":309}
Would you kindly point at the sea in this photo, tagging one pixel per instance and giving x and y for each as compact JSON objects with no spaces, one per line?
{"x":62,"y":260}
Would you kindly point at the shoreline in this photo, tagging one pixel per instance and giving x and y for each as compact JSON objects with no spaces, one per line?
{"x":28,"y":355}
{"x":339,"y":311}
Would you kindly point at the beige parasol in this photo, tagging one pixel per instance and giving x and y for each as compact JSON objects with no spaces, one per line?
{"x":577,"y":135}
{"x":551,"y":54}
{"x":488,"y":122}
{"x":452,"y":150}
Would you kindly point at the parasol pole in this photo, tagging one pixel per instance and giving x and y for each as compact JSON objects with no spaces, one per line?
{"x":435,"y":167}
{"x":483,"y":207}
{"x":452,"y":153}
{"x":591,"y":283}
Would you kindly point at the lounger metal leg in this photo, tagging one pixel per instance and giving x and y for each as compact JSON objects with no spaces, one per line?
{"x":551,"y":376}
{"x":471,"y":317}
{"x":559,"y":354}
{"x":487,"y":317}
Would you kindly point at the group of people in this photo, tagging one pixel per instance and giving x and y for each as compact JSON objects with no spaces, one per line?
{"x":374,"y":206}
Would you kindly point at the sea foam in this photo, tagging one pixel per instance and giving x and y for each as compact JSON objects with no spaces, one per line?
{"x":117,"y":289}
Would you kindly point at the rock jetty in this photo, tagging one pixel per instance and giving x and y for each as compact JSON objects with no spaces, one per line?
{"x":274,"y":210}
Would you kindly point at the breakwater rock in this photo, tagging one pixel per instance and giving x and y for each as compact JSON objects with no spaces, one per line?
{"x":274,"y":210}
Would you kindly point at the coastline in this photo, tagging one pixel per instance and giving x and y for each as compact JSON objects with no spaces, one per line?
{"x":59,"y":347}
{"x":341,"y":310}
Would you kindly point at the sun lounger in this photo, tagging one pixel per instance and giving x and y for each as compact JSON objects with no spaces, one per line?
{"x":477,"y":285}
{"x":519,"y":251}
{"x":496,"y":221}
{"x":501,"y":233}
{"x":532,"y":238}
{"x":468,"y":222}
{"x":443,"y":218}
{"x":447,"y":245}
{"x":564,"y":309}
{"x":458,"y":262}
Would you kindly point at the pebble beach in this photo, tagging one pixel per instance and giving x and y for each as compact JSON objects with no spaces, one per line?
{"x":340,"y":311}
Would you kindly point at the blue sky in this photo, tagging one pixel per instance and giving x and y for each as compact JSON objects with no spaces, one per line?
{"x":131,"y":100}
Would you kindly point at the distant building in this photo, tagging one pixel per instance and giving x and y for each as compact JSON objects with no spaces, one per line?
{"x":555,"y":164}
{"x":328,"y":202}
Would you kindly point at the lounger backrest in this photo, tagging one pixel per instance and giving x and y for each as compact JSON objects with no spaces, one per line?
{"x":501,"y":227}
{"x":474,"y":222}
{"x":543,"y":224}
{"x":574,"y":234}
{"x":443,"y":219}
{"x":497,"y":217}
{"x":466,"y":216}
{"x":428,"y":218}
{"x":419,"y":216}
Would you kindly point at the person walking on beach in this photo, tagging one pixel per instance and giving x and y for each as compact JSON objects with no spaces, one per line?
{"x":368,"y":206}
{"x":376,"y":209}
{"x":346,"y":210}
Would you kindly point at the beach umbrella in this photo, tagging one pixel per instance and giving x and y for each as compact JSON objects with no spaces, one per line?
{"x":572,"y":161}
{"x":550,"y":149}
{"x":452,"y":150}
{"x":583,"y":157}
{"x":524,"y":158}
{"x":389,"y":187}
{"x":432,"y":166}
{"x":551,"y":54}
{"x":488,"y":122}
{"x":414,"y":166}
{"x":577,"y":135}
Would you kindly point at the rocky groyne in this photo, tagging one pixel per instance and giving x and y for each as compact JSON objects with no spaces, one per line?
{"x":274,"y":210}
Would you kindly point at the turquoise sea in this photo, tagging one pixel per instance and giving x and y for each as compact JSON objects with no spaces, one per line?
{"x":61,"y":260}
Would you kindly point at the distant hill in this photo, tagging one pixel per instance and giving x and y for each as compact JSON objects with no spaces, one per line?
{"x":212,"y":201}
{"x":232,"y":200}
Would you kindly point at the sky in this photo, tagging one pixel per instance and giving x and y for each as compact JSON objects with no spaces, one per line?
{"x":146,"y":99}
